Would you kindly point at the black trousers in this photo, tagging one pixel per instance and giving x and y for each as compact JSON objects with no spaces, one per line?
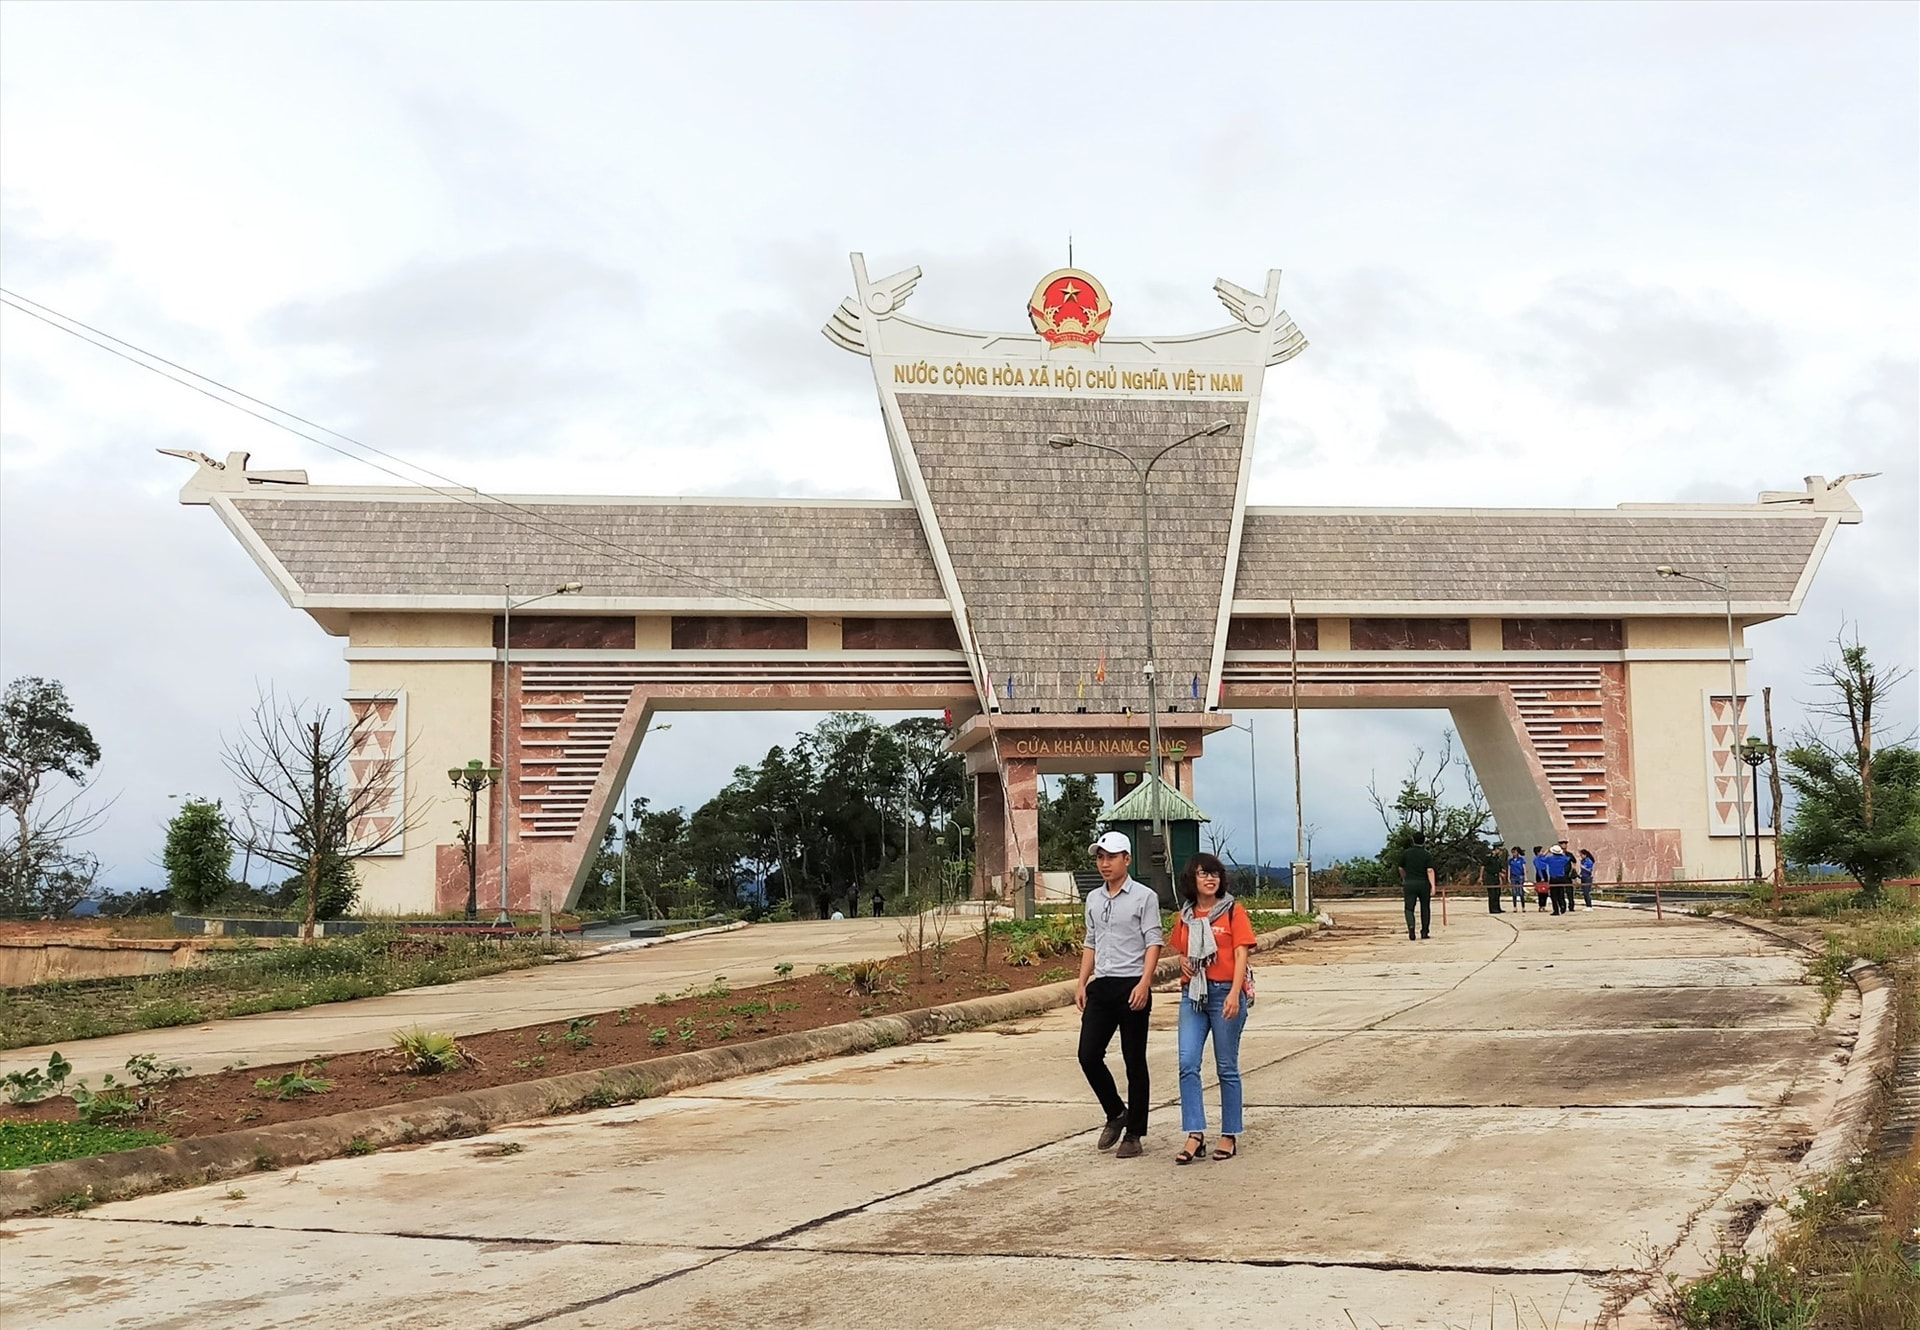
{"x":1493,"y":901}
{"x":1562,"y":898}
{"x":1107,"y":1011}
{"x":1422,"y":893}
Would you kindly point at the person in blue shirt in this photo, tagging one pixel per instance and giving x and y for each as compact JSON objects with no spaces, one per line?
{"x":1542,"y":879}
{"x":1586,"y":877}
{"x":1560,"y":875}
{"x":1517,"y":878}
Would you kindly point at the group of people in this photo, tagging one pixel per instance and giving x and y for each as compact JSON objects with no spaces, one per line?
{"x":1213,"y":937}
{"x":1553,"y":873}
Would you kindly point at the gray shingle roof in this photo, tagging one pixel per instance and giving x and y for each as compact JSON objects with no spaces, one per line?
{"x":384,"y":547}
{"x":1046,"y":544}
{"x":1496,"y":556}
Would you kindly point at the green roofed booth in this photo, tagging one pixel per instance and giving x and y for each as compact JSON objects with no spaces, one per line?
{"x":1132,"y":817}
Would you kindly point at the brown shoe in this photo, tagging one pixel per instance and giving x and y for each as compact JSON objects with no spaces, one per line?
{"x":1110,"y":1134}
{"x":1129,"y":1148}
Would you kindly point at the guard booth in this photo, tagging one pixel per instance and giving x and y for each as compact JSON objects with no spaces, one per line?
{"x":1132,"y":817}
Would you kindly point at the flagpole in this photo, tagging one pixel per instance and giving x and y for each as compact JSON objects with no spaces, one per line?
{"x":1302,"y":897}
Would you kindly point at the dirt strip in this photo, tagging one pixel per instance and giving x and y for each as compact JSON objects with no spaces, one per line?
{"x":202,"y":1159}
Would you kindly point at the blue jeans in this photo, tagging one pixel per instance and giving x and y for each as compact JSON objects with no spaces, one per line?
{"x":1195,"y":1025}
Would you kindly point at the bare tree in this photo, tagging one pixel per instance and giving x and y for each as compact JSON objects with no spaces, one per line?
{"x":1856,"y":690}
{"x":332,"y":797}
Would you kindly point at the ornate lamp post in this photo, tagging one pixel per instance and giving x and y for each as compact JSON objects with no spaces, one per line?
{"x":1152,"y":668}
{"x":474,"y":779}
{"x":506,"y":723}
{"x":1754,"y":752}
{"x":1724,"y":585}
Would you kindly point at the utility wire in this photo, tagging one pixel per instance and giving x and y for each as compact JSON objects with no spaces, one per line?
{"x":453,"y":489}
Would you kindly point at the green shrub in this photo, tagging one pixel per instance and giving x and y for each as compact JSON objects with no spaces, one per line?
{"x":198,"y":855}
{"x":427,"y":1053}
{"x":1739,"y":1296}
{"x":293,"y":1084}
{"x":32,"y":1085}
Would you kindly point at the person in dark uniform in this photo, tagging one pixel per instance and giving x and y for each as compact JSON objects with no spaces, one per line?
{"x":879,"y":903}
{"x":1416,"y":884}
{"x":1494,"y":890}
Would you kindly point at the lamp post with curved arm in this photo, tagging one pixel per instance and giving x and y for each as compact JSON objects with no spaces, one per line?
{"x":473,"y":778}
{"x":1755,"y":752}
{"x":506,"y":722}
{"x":1724,"y":585}
{"x":1151,"y":669}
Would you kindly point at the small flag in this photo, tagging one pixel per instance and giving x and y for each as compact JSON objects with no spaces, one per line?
{"x":1080,"y":692}
{"x":1009,"y":687}
{"x":1196,"y":688}
{"x":1100,"y":675}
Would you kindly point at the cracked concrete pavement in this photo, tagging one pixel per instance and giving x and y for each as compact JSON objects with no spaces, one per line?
{"x":1509,"y":1125}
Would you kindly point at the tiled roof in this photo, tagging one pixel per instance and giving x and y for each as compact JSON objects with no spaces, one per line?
{"x":386,"y":547}
{"x":1518,"y":557}
{"x":1045,"y":543}
{"x":1049,"y":566}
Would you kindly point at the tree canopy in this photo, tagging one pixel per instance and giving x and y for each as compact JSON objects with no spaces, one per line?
{"x":42,"y":744}
{"x":847,"y":806}
{"x":1857,"y":802}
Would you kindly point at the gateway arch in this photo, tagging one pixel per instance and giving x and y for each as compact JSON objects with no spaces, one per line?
{"x":1003,"y":586}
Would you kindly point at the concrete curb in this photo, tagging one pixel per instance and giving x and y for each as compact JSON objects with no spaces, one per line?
{"x":1833,"y":1144}
{"x":640,"y":943}
{"x":1845,"y":1131}
{"x":202,"y":1159}
{"x":1846,"y":1128}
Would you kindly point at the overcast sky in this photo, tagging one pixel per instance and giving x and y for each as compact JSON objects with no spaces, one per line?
{"x":1566,"y":255}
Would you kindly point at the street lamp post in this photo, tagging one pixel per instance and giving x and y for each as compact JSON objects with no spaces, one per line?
{"x":1725,"y":587}
{"x":506,"y":722}
{"x":1754,"y":752}
{"x":1151,"y":669}
{"x":1253,"y":767}
{"x":473,"y":778}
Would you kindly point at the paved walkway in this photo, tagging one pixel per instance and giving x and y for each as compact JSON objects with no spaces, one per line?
{"x":497,"y":1002}
{"x":1505,"y":1126}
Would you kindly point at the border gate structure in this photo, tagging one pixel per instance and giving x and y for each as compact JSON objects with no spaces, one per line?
{"x":1003,"y":587}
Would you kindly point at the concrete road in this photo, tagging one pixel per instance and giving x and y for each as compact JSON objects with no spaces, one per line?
{"x":1507,"y":1126}
{"x":497,"y":1002}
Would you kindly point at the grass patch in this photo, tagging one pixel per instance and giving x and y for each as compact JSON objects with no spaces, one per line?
{"x":247,"y":979}
{"x":23,"y":1144}
{"x":1763,"y":1295}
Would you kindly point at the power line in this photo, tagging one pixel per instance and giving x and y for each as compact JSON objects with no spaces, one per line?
{"x":458,"y":491}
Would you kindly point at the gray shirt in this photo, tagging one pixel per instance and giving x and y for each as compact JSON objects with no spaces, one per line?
{"x":1120,"y":928}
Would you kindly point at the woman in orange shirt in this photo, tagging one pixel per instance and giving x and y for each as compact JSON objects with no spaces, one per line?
{"x":1213,"y":939}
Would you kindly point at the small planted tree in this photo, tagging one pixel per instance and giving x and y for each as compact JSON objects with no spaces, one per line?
{"x":326,"y":812}
{"x":1857,"y":801}
{"x":199,"y":855}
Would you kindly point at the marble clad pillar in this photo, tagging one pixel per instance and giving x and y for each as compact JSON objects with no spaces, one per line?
{"x":1000,"y":845}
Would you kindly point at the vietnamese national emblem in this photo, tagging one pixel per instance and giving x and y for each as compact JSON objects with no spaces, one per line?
{"x":1069,"y":307}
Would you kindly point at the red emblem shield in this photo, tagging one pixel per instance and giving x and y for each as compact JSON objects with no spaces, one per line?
{"x":1070,"y":306}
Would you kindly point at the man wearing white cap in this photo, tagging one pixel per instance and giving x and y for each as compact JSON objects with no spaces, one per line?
{"x":1116,"y":990}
